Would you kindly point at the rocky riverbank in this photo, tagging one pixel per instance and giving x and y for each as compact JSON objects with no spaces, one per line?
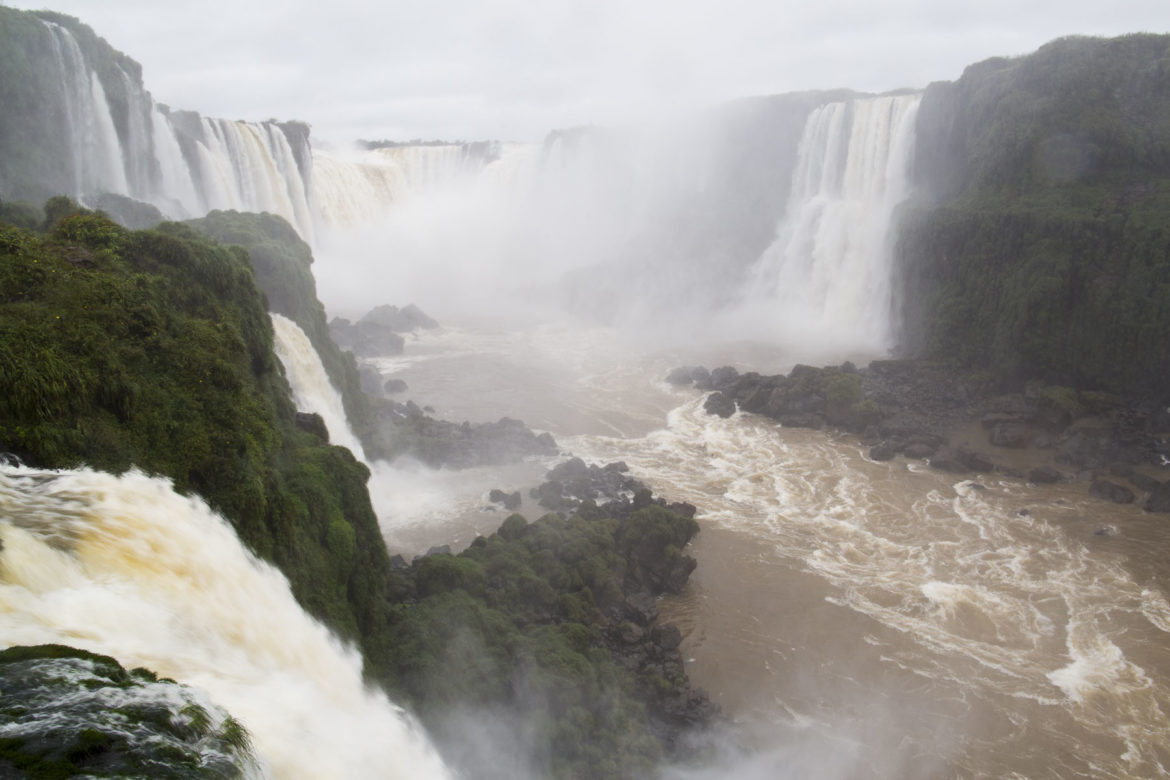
{"x":964,"y":422}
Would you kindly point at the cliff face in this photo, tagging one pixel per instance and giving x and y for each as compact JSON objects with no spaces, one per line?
{"x":78,"y":121}
{"x":1039,"y":243}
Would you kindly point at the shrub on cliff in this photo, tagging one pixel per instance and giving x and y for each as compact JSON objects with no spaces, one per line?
{"x":154,"y":349}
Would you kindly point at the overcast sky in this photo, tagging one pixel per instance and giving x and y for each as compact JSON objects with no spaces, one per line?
{"x":514,"y":69}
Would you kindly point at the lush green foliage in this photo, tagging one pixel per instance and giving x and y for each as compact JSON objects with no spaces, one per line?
{"x":154,"y":349}
{"x":1049,"y":255}
{"x":282,"y":264}
{"x":512,"y":627}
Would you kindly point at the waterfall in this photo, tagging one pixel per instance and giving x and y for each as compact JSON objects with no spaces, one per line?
{"x":827,"y":275}
{"x":355,"y":187}
{"x":134,"y":147}
{"x":126,"y":567}
{"x":312,"y":390}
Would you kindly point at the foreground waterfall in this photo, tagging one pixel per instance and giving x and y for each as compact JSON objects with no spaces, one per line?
{"x":126,"y":567}
{"x":829,"y":271}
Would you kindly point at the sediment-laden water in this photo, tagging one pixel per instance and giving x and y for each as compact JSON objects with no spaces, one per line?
{"x":854,"y":618}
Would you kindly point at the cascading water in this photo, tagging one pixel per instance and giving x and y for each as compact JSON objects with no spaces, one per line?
{"x":827,"y":275}
{"x":126,"y":567}
{"x":137,"y":148}
{"x":360,"y":187}
{"x":312,"y":390}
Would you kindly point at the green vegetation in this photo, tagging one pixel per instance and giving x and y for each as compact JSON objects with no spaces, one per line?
{"x":1044,"y":251}
{"x":154,"y":349}
{"x":59,"y":721}
{"x":514,"y":626}
{"x":282,"y":263}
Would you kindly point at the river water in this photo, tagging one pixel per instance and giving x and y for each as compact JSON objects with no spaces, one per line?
{"x":853,"y":618}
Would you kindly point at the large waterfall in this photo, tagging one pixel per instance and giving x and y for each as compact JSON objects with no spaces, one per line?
{"x":827,"y":276}
{"x":126,"y":567}
{"x":109,"y":136}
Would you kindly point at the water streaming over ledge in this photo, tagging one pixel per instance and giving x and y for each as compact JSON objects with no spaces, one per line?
{"x":126,"y":567}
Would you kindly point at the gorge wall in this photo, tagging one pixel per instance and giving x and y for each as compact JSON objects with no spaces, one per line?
{"x":1038,"y":244}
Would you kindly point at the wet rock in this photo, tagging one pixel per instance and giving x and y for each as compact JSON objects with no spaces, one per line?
{"x":723,"y":377}
{"x":1159,"y":500}
{"x":919,"y":450}
{"x":975,"y":461}
{"x":1008,"y":434}
{"x":719,"y":404}
{"x":392,"y":386}
{"x":1143,"y":481}
{"x":440,"y":549}
{"x":1111,"y":491}
{"x":365,"y":339}
{"x":405,"y":320}
{"x":510,"y":501}
{"x":1045,"y":475}
{"x":947,"y":459}
{"x":398,"y":563}
{"x":641,"y":608}
{"x":666,"y":637}
{"x":883,"y":450}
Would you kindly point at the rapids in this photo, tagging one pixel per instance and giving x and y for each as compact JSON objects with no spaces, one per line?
{"x":855,"y":618}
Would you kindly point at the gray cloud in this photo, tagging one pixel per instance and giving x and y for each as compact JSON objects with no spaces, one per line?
{"x":517,"y":68}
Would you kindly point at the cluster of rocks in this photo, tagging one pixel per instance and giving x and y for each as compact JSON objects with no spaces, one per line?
{"x":377,"y":333}
{"x":407,"y":429}
{"x":915,"y":408}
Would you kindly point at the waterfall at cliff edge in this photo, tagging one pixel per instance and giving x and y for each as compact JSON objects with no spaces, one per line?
{"x":827,"y":275}
{"x":312,"y":390}
{"x":126,"y":567}
{"x":116,"y":139}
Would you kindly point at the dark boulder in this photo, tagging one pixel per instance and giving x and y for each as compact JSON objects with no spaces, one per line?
{"x":1111,"y":491}
{"x":1159,"y":500}
{"x":391,"y":386}
{"x":511,"y":501}
{"x":1008,"y":434}
{"x":1045,"y":475}
{"x":919,"y":450}
{"x":723,"y":377}
{"x":883,"y":450}
{"x":719,"y":404}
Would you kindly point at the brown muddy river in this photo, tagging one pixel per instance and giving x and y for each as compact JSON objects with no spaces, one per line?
{"x":853,"y":618}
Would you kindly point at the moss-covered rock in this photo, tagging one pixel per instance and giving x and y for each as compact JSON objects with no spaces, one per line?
{"x":67,"y":712}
